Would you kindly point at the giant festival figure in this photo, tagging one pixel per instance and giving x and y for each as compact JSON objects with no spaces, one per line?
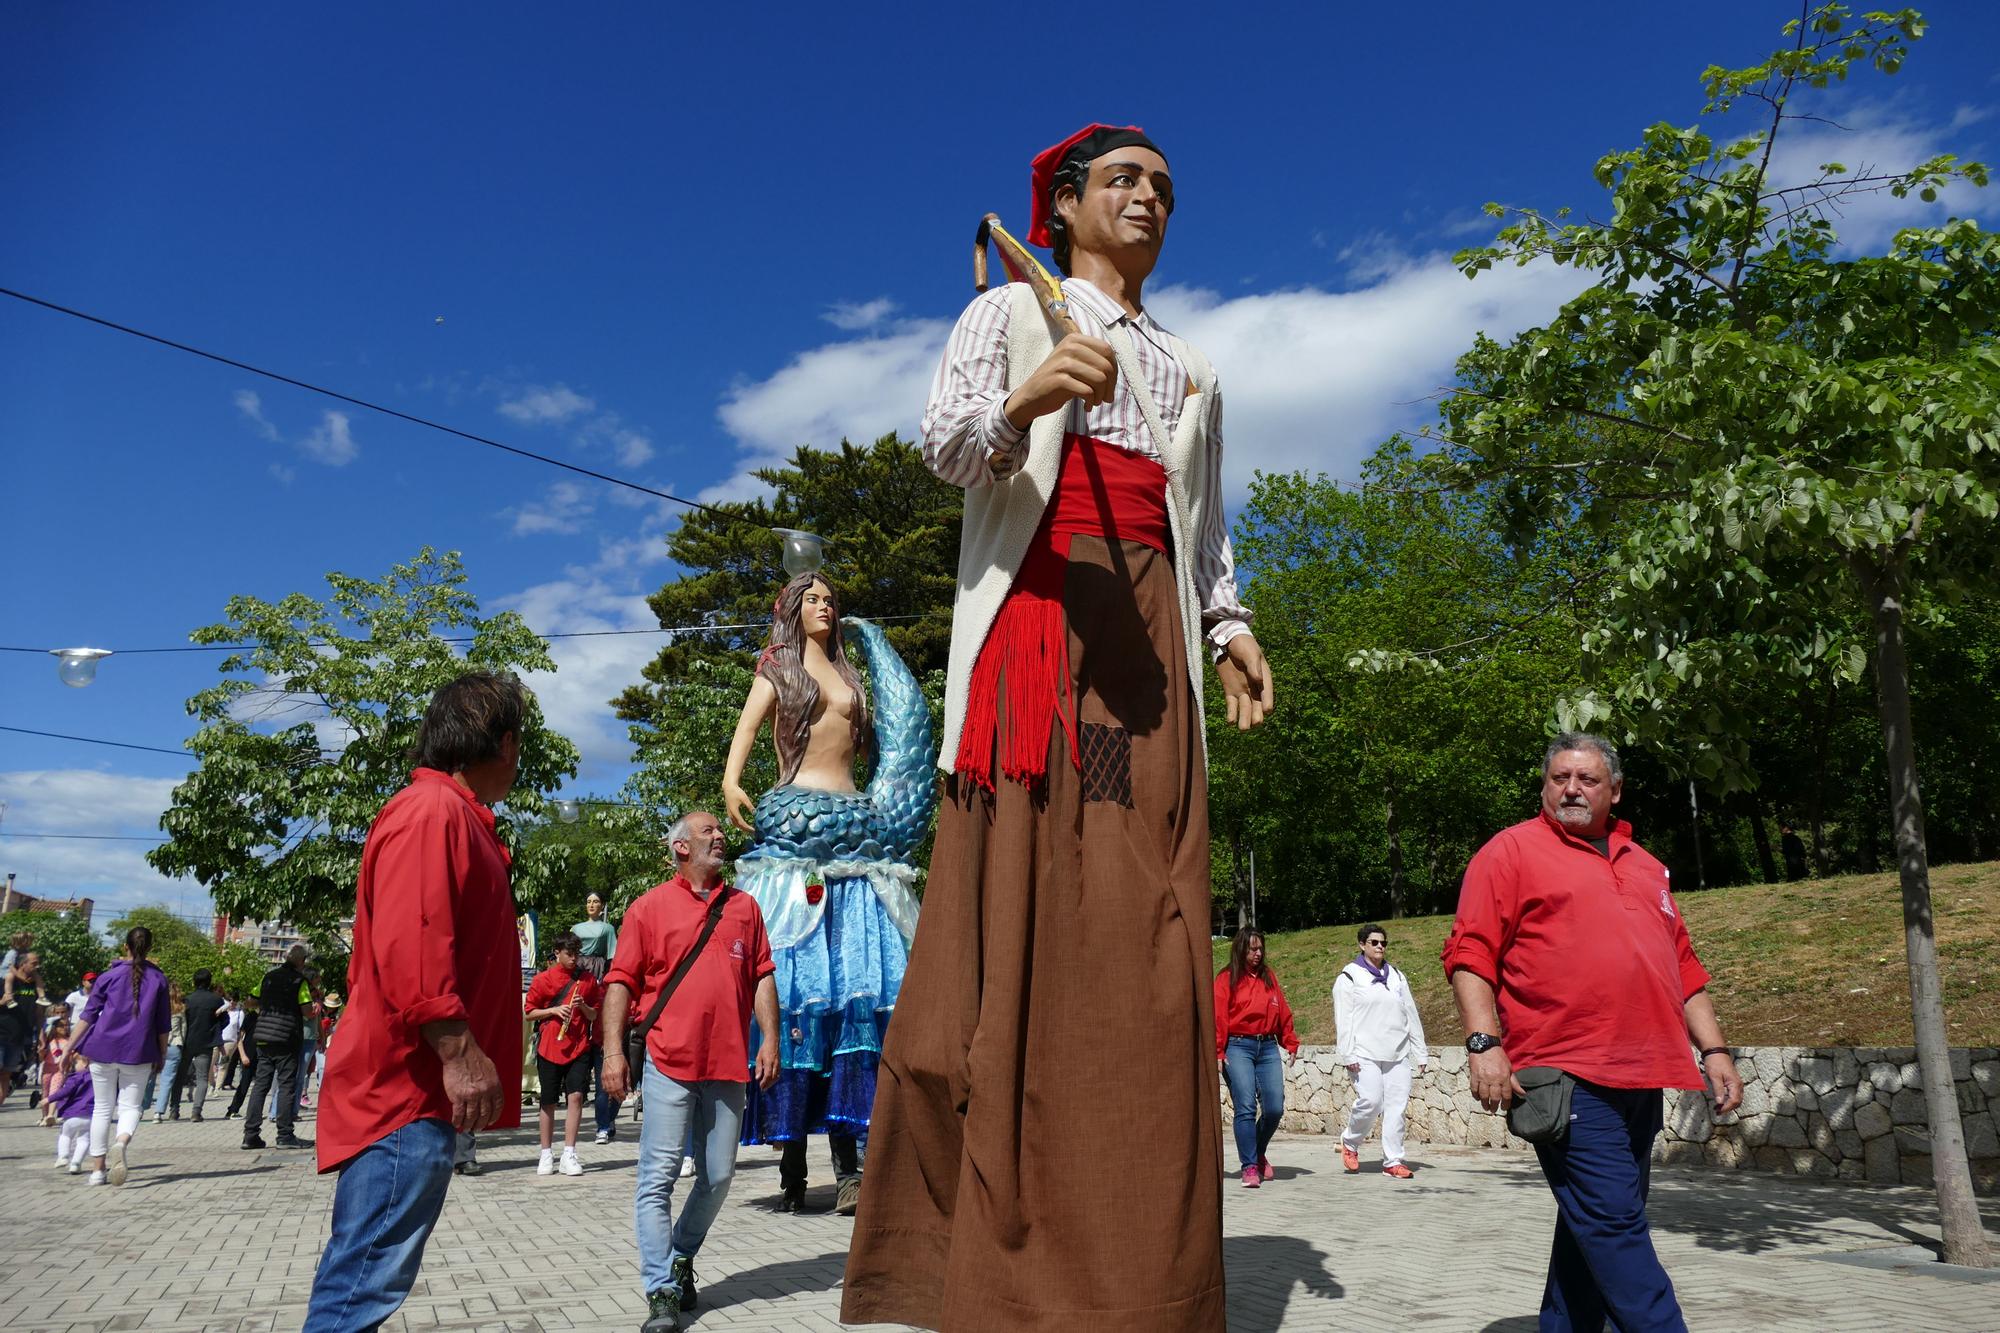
{"x":1046,"y":1142}
{"x":830,"y":870}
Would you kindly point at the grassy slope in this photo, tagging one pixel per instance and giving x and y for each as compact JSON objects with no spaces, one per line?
{"x":1814,"y":963}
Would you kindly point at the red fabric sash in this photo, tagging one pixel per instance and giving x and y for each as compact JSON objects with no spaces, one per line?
{"x":1102,"y":491}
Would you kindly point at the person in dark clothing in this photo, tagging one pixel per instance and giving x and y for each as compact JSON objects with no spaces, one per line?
{"x":1794,"y":848}
{"x":280,"y":1026}
{"x":203,"y":1009}
{"x":246,"y":1048}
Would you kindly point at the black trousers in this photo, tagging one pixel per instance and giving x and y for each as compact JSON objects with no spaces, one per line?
{"x":846,"y":1160}
{"x":279,"y":1065}
{"x":249,"y":1073}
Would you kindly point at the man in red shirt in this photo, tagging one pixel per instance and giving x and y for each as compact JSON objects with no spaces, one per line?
{"x":1569,"y":953}
{"x":698,"y":1053}
{"x":432,"y":995}
{"x":562,"y":1001}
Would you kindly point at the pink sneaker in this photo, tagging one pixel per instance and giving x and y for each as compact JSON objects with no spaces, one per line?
{"x":1350,"y":1160}
{"x":1398,"y":1170}
{"x":1265,"y":1168}
{"x":1252,"y":1178}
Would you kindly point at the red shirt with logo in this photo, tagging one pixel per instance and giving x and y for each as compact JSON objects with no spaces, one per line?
{"x":1257,"y":1008}
{"x":434,"y":940}
{"x":1587,"y":953}
{"x":547,"y":991}
{"x":704,"y":1032}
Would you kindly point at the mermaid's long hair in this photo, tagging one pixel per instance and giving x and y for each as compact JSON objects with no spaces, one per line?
{"x":784,"y":666}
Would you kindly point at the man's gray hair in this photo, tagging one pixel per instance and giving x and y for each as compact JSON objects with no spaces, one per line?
{"x":1583,"y":740}
{"x":682,"y":830}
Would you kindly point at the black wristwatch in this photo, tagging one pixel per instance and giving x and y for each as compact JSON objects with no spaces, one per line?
{"x":1481,"y":1042}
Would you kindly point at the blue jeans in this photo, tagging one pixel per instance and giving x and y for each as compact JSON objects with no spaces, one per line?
{"x":606,"y":1109}
{"x":710,"y":1112}
{"x":163,"y":1082}
{"x":1256,"y":1073}
{"x":1602,"y":1262}
{"x":384,"y":1208}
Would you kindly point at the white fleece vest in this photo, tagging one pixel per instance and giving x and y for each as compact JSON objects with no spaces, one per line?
{"x":1001,"y":518}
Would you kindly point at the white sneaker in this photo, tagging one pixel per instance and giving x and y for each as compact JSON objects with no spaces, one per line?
{"x":76,"y":1168}
{"x":687,"y":1167}
{"x":118,"y":1164}
{"x":547,"y":1166}
{"x":604,"y":1136}
{"x":570,"y":1166}
{"x":97,"y":1177}
{"x":61,"y":1162}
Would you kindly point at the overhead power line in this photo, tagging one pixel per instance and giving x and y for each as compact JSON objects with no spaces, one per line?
{"x":461,"y":638}
{"x":92,"y":740}
{"x":349,"y":398}
{"x":90,"y":837}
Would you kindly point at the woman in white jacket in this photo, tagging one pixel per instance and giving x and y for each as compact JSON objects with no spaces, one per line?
{"x":1379,"y":1033}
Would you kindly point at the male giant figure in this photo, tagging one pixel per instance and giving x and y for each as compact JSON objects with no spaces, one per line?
{"x":1046,"y":1143}
{"x":434,"y":993}
{"x":1570,"y":953}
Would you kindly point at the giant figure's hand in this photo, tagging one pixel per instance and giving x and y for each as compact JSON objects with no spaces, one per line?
{"x":1246,"y":682}
{"x":739,"y":805}
{"x":1079,"y":367}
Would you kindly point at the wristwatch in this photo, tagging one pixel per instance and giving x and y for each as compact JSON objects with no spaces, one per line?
{"x":1481,"y":1042}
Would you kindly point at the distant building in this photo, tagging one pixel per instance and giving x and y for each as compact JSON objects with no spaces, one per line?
{"x":13,"y":900}
{"x":273,"y":939}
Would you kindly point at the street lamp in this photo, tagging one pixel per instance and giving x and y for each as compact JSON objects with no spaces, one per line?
{"x":568,"y":811}
{"x":78,"y":666}
{"x":803,"y":551}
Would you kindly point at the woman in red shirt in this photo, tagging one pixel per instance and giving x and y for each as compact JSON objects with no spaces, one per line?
{"x":1252,"y":1021}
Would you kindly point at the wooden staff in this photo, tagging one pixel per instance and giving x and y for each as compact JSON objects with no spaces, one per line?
{"x":1022,"y":266}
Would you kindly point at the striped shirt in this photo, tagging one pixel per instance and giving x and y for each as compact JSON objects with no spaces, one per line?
{"x":964,"y":424}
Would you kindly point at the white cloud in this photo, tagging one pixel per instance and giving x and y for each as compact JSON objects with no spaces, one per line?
{"x":562,"y":510}
{"x":633,"y":447}
{"x":1311,"y":378}
{"x":113,"y":872}
{"x":1875,"y":140}
{"x":331,"y":442}
{"x":252,"y":407}
{"x":854,"y":316}
{"x":575,"y":697}
{"x":545,"y":404}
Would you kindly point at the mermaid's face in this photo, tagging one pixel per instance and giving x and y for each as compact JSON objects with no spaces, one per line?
{"x":816,"y":609}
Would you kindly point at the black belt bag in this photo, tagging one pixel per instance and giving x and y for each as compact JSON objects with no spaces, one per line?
{"x":1542,"y":1116}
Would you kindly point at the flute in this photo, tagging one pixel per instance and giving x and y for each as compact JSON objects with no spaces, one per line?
{"x":562,"y":1033}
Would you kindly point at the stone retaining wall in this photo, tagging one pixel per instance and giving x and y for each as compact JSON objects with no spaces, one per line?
{"x":1838,"y":1113}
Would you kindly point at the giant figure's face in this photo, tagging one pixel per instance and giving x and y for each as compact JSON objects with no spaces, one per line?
{"x":1123,"y":207}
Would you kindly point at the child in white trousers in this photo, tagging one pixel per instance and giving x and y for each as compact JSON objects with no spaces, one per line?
{"x":72,"y":1105}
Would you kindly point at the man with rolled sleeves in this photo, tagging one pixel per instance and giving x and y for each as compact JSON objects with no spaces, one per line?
{"x":1570,"y":953}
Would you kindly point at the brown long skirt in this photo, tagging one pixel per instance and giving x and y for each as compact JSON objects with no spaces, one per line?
{"x":1046,"y":1146}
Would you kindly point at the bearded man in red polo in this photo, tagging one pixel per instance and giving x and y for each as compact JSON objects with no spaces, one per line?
{"x":1045,"y":1149}
{"x":1569,"y":953}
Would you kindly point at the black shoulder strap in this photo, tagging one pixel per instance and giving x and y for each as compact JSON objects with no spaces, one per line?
{"x":722,"y":893}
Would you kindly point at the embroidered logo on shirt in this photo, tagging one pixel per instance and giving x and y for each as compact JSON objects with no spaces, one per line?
{"x":1666,"y":903}
{"x":736,"y":949}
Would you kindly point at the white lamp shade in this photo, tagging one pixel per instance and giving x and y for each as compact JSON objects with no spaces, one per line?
{"x":803,"y":551}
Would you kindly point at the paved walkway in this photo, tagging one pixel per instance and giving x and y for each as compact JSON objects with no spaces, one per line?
{"x":208,"y":1237}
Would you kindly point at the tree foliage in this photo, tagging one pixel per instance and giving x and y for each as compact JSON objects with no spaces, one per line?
{"x":1797,"y":448}
{"x":309,"y":732}
{"x":180,"y":950}
{"x":68,"y":947}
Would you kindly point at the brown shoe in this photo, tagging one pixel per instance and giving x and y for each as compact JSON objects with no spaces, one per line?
{"x":849,"y":1197}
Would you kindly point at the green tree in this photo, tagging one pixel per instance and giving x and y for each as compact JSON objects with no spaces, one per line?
{"x":615,"y":849}
{"x":1423,"y":655}
{"x":309,"y":732}
{"x":1782,"y":423}
{"x":180,"y":950}
{"x":892,"y":548}
{"x":68,"y":947}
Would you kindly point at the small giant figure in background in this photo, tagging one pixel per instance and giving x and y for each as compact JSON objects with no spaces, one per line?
{"x":830,"y":869}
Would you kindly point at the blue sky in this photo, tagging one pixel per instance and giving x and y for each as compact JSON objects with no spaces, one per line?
{"x":675,"y":243}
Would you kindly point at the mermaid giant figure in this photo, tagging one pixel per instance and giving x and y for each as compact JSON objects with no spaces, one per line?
{"x":830,"y":869}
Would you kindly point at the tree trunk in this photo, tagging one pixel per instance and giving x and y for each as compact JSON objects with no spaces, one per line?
{"x":1242,"y":898}
{"x":1397,"y":887}
{"x":1964,"y":1235}
{"x":1817,"y":815}
{"x":1760,"y":835}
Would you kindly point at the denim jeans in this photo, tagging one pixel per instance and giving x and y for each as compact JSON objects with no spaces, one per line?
{"x":1256,"y":1073}
{"x":711,"y":1112}
{"x":163,"y":1082}
{"x":384,"y":1208}
{"x":606,"y":1109}
{"x":1602,"y":1264}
